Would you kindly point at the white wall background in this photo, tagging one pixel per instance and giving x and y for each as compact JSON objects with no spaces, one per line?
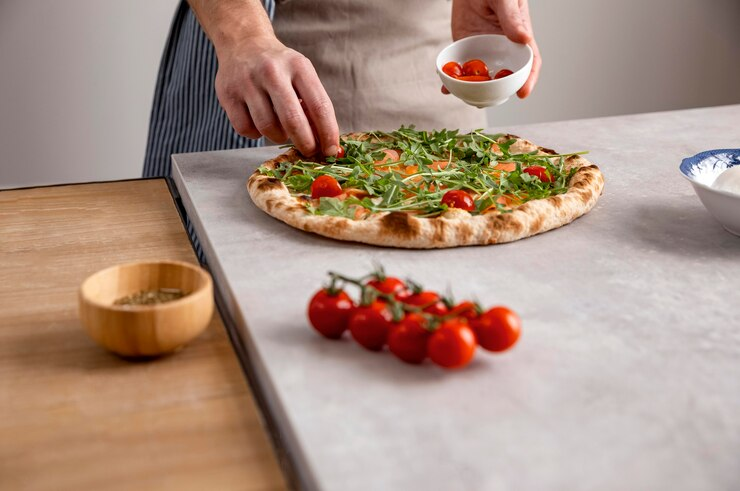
{"x":76,"y":84}
{"x":77,"y":77}
{"x":609,"y":57}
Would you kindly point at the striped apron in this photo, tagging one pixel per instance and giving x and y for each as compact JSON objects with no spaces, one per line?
{"x":186,"y":115}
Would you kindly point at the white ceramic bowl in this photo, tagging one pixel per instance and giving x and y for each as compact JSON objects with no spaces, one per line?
{"x":498,"y":52}
{"x":701,"y":170}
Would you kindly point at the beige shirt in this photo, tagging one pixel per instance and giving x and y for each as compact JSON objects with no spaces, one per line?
{"x":376,"y":59}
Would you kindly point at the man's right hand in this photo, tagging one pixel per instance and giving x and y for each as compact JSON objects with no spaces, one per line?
{"x":265,"y":87}
{"x":269,"y":89}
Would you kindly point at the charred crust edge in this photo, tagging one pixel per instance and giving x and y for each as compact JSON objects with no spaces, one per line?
{"x":548,"y":150}
{"x":401,"y":224}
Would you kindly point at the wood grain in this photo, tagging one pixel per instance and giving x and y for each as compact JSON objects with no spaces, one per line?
{"x":73,"y":416}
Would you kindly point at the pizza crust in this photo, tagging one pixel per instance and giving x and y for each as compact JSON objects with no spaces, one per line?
{"x":452,"y":229}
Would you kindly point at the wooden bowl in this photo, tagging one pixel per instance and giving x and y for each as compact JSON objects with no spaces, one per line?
{"x":146,"y":330}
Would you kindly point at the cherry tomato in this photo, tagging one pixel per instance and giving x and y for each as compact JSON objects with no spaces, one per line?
{"x":438,"y":308}
{"x":540,"y":172}
{"x":428,"y":300}
{"x":502,"y":73}
{"x":466,"y":310}
{"x":475,"y":78}
{"x":329,"y":312}
{"x":325,"y":187}
{"x":388,"y":285}
{"x":340,"y":152}
{"x":370,"y":324}
{"x":458,"y":198}
{"x":453,"y":69}
{"x":475,"y":67}
{"x":452,"y":345}
{"x":408,"y":340}
{"x":497,"y":329}
{"x":402,"y":295}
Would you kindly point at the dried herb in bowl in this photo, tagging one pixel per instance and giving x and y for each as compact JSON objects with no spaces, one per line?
{"x":151,"y":297}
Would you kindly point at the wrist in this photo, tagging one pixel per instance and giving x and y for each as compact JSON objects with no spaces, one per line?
{"x":239,"y":41}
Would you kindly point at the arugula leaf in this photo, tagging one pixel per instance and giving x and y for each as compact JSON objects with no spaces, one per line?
{"x":266,"y":171}
{"x":336,"y":207}
{"x":391,"y":193}
{"x":299,"y":183}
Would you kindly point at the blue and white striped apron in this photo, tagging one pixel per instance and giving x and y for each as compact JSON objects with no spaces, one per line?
{"x":186,"y":115}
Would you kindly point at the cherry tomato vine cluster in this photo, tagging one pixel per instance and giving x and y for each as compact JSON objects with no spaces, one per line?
{"x":414,"y":323}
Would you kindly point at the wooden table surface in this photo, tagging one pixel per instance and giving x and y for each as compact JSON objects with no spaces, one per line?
{"x":73,"y":416}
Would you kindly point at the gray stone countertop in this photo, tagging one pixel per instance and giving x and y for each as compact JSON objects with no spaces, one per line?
{"x":627,"y":375}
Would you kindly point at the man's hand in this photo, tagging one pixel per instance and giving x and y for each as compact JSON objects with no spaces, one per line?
{"x":265,"y":87}
{"x":269,"y":89}
{"x":509,"y":17}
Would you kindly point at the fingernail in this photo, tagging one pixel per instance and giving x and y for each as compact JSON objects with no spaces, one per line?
{"x":331,"y":151}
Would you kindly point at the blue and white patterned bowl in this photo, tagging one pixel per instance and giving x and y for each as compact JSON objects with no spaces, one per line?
{"x":701,"y":170}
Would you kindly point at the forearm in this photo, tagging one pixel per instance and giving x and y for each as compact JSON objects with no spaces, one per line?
{"x":232,"y":24}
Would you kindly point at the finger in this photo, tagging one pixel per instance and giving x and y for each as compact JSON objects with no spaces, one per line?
{"x":444,"y":90}
{"x":293,"y":118}
{"x":510,"y":17}
{"x":319,"y":107}
{"x":240,"y":119}
{"x":264,"y":117}
{"x":528,"y":86}
{"x":305,"y":111}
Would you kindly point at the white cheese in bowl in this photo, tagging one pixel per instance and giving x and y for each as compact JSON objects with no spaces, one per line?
{"x":729,"y":180}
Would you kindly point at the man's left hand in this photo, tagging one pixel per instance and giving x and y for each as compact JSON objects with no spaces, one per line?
{"x":508,"y":17}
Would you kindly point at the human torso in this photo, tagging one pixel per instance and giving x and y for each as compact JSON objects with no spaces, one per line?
{"x":376,"y":60}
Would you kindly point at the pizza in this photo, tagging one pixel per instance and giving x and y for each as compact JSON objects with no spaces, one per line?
{"x":417,"y":189}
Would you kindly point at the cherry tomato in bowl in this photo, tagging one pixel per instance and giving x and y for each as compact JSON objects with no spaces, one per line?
{"x":325,"y":187}
{"x":475,"y":78}
{"x":459,"y":198}
{"x":452,"y":345}
{"x":502,"y":73}
{"x":453,"y":69}
{"x":329,"y":312}
{"x":475,"y":67}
